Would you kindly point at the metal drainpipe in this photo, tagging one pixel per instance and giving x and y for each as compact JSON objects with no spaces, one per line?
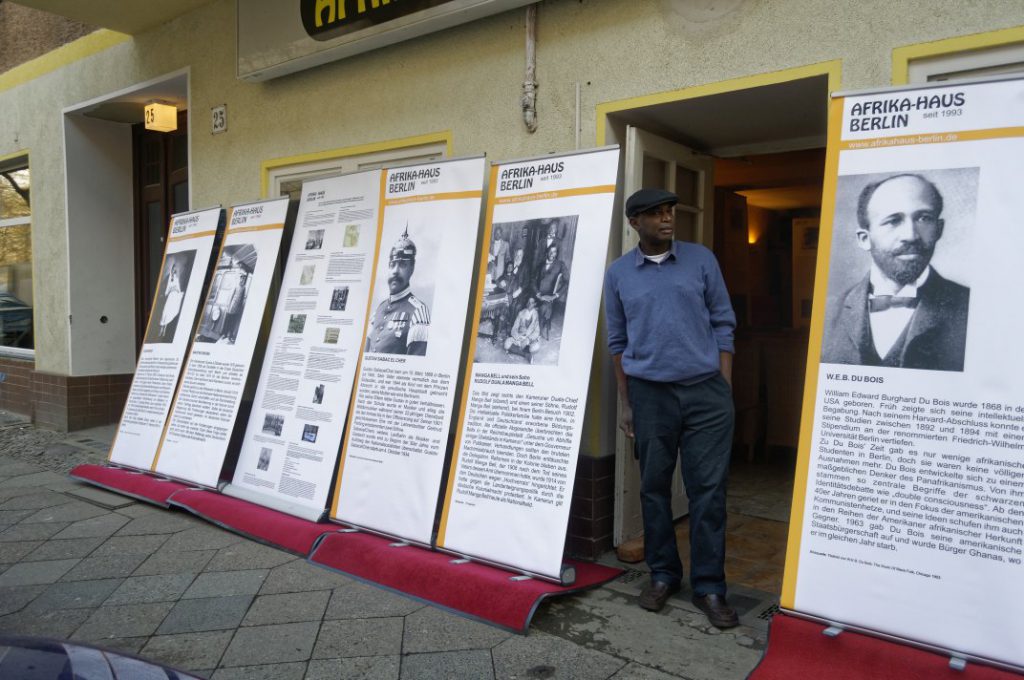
{"x":529,"y":100}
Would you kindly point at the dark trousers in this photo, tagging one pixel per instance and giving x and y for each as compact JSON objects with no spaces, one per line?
{"x":695,"y":424}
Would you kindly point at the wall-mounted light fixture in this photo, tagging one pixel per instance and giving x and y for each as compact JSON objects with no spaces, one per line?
{"x":161,"y":117}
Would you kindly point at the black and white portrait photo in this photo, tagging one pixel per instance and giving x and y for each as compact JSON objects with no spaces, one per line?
{"x":318,"y":394}
{"x":163,"y":321}
{"x":525,"y":291}
{"x":273,"y":424}
{"x":309,"y":433}
{"x":229,"y":291}
{"x":306,"y":277}
{"x":898,"y":292}
{"x":403,"y":292}
{"x":314,"y":239}
{"x":263,"y":464}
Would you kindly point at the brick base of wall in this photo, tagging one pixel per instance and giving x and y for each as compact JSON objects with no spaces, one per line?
{"x":591,"y":514}
{"x":62,"y":402}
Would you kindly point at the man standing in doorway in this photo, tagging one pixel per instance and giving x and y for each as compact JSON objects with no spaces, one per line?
{"x":670,"y":333}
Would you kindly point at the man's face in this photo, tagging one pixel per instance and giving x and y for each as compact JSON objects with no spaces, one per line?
{"x":518,"y":257}
{"x":531,"y":303}
{"x":399,"y":273}
{"x":499,"y":233}
{"x":552,"y":254}
{"x":552,"y":231}
{"x":656,"y":225}
{"x":904,"y":228}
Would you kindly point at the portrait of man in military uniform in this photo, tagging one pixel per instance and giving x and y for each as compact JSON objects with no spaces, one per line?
{"x":401,"y":322}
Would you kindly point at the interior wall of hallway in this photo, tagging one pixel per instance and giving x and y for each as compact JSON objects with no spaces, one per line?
{"x":466,"y":80}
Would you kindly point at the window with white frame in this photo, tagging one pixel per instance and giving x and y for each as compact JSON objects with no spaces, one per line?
{"x":987,"y":61}
{"x":16,"y":298}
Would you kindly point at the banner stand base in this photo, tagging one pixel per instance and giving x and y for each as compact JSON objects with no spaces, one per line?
{"x":293,"y":509}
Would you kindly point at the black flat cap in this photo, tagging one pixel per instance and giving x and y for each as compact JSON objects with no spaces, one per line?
{"x":645,"y":199}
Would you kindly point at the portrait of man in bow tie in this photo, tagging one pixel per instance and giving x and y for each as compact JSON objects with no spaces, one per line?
{"x":902,"y":313}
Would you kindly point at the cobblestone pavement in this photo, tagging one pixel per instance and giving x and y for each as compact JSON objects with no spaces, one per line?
{"x":83,"y":564}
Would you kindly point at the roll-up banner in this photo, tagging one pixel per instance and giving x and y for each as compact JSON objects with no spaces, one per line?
{"x":168,"y":336}
{"x":394,"y":454}
{"x":521,"y":420}
{"x":294,"y":432}
{"x":908,"y":514}
{"x":195,"y":441}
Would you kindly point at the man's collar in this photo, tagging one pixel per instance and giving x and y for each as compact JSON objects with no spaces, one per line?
{"x":398,"y":296}
{"x":878,"y":281}
{"x":639,"y":258}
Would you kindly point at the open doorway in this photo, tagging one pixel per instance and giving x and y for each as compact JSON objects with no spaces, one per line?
{"x":747,"y":160}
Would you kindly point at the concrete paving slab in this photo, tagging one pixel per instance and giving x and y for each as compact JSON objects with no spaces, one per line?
{"x":14,"y":551}
{"x":212,"y":613}
{"x":140,"y":510}
{"x":278,"y":671}
{"x":7,"y":493}
{"x":169,"y":562}
{"x":15,"y":598}
{"x":362,"y":601}
{"x":676,"y":640}
{"x":299,"y":575}
{"x":34,"y":501}
{"x":271,"y":644}
{"x":31,"y":532}
{"x":547,"y":656}
{"x":44,"y":478}
{"x":202,"y":538}
{"x":249,"y":553}
{"x":104,"y":525}
{"x":131,"y":545}
{"x":52,"y":624}
{"x":163,"y":588}
{"x":188,"y":651}
{"x":63,"y":549}
{"x":36,"y":573}
{"x":123,"y":621}
{"x":131,"y":645}
{"x":359,"y":637}
{"x":221,"y":584}
{"x":109,"y":566}
{"x":17,"y":469}
{"x":9,"y":517}
{"x":434,"y":630}
{"x":355,"y":668}
{"x":287,"y":608}
{"x":75,"y":595}
{"x":166,"y":522}
{"x":105,"y":499}
{"x":635,"y":671}
{"x":464,"y":665}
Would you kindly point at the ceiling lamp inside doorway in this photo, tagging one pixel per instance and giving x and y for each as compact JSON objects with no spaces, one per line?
{"x":161,"y":117}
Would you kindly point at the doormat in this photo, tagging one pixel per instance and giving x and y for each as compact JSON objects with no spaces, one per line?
{"x":798,"y":648}
{"x":277,"y":529}
{"x":478,"y":591}
{"x":144,"y":487}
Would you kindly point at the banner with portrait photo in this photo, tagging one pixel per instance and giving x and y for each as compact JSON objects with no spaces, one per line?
{"x":168,"y":336}
{"x":393,"y":458}
{"x":548,"y":222}
{"x":203,"y":415}
{"x":294,"y":432}
{"x":908,"y":514}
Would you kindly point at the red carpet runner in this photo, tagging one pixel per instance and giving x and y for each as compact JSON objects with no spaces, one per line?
{"x":261,"y":524}
{"x":129,"y":483}
{"x":798,"y":649}
{"x":475,"y":590}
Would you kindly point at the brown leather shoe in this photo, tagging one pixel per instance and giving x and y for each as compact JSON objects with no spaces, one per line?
{"x":655,"y":595}
{"x":718,"y":611}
